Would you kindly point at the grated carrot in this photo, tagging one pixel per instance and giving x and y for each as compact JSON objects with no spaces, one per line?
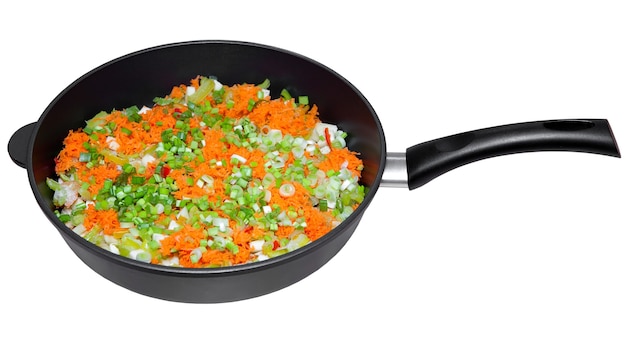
{"x":72,"y":147}
{"x":97,"y":175}
{"x":105,"y":219}
{"x":284,"y":116}
{"x":178,"y":92}
{"x":338,"y":157}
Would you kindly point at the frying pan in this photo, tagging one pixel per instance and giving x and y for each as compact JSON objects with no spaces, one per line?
{"x":136,"y":78}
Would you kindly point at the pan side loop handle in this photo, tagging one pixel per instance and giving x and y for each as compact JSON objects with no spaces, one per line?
{"x":18,"y":144}
{"x":429,"y":160}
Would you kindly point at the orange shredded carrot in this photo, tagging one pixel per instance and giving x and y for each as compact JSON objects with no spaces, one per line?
{"x":105,"y":219}
{"x":72,"y":147}
{"x":97,"y":175}
{"x":240,"y":95}
{"x":338,"y":157}
{"x":195,"y":82}
{"x":284,"y":116}
{"x":178,"y":92}
{"x":188,"y":238}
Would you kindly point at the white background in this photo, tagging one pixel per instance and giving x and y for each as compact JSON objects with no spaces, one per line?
{"x":519,"y":255}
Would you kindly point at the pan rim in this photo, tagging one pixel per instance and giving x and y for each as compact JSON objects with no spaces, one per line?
{"x":203,"y":272}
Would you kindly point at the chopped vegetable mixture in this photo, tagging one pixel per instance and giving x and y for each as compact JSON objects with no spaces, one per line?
{"x":211,"y":175}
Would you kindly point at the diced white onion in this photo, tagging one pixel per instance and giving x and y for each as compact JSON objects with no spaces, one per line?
{"x":321,"y":175}
{"x":144,"y":109}
{"x":275,"y":136}
{"x":126,"y":224}
{"x":256,"y":245}
{"x":297,"y":151}
{"x":319,"y":131}
{"x":114,"y":249}
{"x":344,"y":173}
{"x":171,"y":262}
{"x":262,"y":257}
{"x":190,"y":90}
{"x":109,"y":239}
{"x":173,"y":225}
{"x":113,"y":145}
{"x":268,"y":179}
{"x":196,"y":252}
{"x":334,"y":183}
{"x":80,"y":229}
{"x":158,"y":237}
{"x":146,"y":159}
{"x":140,"y":255}
{"x":299,"y":142}
{"x":221,"y":223}
{"x":268,"y":196}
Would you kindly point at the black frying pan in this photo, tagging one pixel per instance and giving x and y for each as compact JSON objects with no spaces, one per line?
{"x":137,"y":78}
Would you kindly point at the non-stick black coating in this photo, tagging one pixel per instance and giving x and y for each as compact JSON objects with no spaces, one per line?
{"x":136,"y":79}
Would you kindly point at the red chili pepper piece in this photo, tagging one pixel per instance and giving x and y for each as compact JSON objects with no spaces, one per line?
{"x":327,"y":136}
{"x":165,"y":171}
{"x":276,"y":245}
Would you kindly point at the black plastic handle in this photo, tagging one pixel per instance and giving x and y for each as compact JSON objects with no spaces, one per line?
{"x":429,"y":160}
{"x":18,"y":144}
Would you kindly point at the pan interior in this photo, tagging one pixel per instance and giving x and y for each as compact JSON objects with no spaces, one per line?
{"x":137,"y":78}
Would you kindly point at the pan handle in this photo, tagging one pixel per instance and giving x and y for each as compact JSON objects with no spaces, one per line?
{"x":18,"y":144}
{"x":429,"y":160}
